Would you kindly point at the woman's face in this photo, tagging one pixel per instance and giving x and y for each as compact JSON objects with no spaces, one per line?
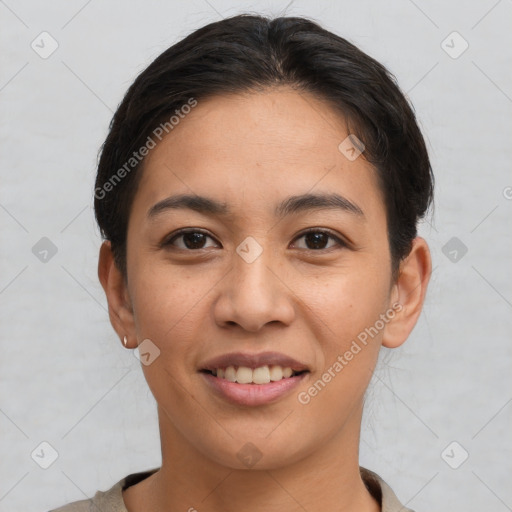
{"x":247,"y":288}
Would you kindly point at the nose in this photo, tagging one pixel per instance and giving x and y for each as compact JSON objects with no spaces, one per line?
{"x":254,"y":294}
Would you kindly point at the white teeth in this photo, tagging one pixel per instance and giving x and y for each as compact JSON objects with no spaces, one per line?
{"x":260,"y":375}
{"x":230,"y":374}
{"x":276,"y":373}
{"x":287,"y":372}
{"x":244,"y":375}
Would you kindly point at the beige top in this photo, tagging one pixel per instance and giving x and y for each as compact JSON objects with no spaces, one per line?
{"x":112,"y":500}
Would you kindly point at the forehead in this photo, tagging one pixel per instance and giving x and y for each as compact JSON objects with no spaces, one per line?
{"x":275,"y":119}
{"x":252,"y":148}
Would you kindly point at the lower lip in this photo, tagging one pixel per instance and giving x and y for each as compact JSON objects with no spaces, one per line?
{"x":253,"y":394}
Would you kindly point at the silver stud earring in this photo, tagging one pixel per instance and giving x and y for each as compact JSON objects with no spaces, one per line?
{"x":125,"y":341}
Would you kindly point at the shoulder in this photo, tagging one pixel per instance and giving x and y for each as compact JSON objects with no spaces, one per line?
{"x":382,"y":492}
{"x":107,"y":501}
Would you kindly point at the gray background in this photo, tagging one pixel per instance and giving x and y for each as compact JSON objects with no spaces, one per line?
{"x":65,"y":377}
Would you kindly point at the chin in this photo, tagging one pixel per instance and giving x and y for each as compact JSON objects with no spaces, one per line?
{"x":257,"y":453}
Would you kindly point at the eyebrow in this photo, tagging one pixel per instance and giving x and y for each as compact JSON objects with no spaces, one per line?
{"x":290,"y":205}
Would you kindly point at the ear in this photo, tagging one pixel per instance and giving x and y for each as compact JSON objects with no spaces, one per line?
{"x":408,"y":294}
{"x":116,"y":289}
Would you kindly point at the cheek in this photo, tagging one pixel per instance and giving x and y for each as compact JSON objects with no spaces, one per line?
{"x":346,"y":303}
{"x":167,"y":310}
{"x":167,"y":303}
{"x":346,"y":312}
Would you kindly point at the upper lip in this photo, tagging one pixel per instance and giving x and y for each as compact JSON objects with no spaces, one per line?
{"x":253,"y":361}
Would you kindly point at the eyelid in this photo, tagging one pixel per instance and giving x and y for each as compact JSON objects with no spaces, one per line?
{"x":176,"y":234}
{"x":341,"y":242}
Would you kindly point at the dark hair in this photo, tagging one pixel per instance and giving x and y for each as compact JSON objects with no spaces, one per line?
{"x":249,"y":52}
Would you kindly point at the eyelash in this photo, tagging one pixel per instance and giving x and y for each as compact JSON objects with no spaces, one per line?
{"x":169,"y":241}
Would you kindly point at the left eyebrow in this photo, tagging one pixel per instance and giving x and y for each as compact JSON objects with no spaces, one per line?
{"x":289,"y":206}
{"x":307,"y":202}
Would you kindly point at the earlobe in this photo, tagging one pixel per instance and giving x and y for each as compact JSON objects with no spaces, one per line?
{"x":119,"y":306}
{"x":409,"y":291}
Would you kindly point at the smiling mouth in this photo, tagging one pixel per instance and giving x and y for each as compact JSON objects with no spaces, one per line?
{"x":262,"y":375}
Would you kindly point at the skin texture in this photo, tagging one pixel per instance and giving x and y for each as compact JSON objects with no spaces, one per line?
{"x":251,"y":151}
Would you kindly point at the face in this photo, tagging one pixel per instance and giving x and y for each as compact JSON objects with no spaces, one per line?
{"x":267,"y":279}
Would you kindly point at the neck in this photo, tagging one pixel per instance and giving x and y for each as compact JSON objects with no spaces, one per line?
{"x":328,"y":479}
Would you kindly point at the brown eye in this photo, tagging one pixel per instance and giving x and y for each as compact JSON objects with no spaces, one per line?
{"x":190,"y":240}
{"x":317,"y":239}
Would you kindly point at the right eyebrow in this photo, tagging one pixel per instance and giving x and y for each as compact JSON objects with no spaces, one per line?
{"x":197,"y":203}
